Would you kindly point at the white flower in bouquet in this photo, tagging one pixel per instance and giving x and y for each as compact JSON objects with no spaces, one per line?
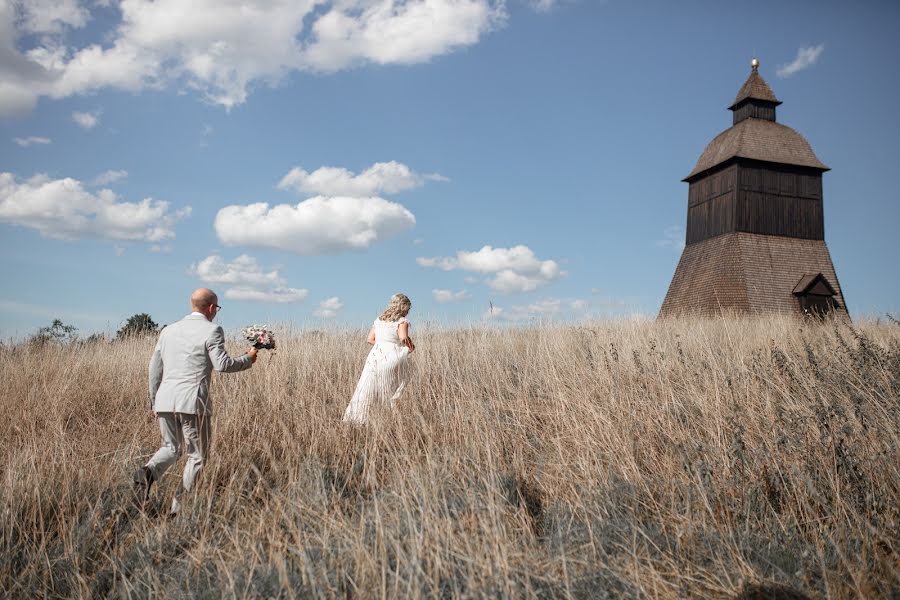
{"x":260,"y":336}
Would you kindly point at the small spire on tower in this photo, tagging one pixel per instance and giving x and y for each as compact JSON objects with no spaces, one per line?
{"x":754,"y":90}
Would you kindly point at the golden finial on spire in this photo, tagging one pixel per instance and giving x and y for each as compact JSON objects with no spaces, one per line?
{"x":754,"y":64}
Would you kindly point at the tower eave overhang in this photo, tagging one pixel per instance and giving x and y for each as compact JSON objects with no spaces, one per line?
{"x":738,"y":103}
{"x":757,"y":139}
{"x":694,"y":176}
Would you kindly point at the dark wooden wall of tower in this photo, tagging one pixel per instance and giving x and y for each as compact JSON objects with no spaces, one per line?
{"x":756,"y":197}
{"x":754,"y":109}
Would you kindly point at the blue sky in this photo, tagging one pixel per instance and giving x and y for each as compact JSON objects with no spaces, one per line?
{"x":308,"y":159}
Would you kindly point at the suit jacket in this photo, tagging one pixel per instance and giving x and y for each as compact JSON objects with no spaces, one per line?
{"x":182,"y":363}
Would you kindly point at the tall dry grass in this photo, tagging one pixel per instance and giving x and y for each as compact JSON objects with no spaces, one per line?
{"x":707,"y":458}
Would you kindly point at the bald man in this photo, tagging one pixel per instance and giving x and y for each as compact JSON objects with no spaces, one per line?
{"x":180,"y":372}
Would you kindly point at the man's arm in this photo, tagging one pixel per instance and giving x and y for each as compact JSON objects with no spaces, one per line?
{"x":223,"y":363}
{"x":156,"y":372}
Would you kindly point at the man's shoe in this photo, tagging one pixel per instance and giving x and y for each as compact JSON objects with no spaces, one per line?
{"x":175,"y":509}
{"x":143,"y":480}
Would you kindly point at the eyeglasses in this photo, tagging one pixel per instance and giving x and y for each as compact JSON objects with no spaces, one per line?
{"x":218,"y":308}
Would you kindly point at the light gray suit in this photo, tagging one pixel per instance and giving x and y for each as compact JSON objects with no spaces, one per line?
{"x":180,"y":373}
{"x":182,"y":364}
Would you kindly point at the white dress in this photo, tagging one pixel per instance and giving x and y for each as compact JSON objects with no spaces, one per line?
{"x":384,"y":375}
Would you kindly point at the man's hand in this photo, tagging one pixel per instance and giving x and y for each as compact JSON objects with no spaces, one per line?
{"x":251,"y":352}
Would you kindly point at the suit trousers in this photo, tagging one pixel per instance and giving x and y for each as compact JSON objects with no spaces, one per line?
{"x":182,"y":431}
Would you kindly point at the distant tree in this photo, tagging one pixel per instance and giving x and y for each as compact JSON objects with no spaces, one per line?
{"x":140,"y":324}
{"x":94,"y":338}
{"x":57,"y":331}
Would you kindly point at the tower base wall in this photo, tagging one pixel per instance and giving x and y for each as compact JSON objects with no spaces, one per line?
{"x":746,"y":273}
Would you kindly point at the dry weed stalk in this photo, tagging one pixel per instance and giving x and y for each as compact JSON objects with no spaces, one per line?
{"x":706,"y":458}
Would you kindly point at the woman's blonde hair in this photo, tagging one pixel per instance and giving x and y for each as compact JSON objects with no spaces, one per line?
{"x":398,"y":307}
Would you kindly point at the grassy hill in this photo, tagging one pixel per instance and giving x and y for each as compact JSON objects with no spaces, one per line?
{"x":714,"y":458}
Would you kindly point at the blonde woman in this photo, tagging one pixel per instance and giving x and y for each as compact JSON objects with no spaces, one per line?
{"x":387,"y":367}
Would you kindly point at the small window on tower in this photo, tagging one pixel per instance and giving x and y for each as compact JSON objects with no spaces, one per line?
{"x":816,"y":295}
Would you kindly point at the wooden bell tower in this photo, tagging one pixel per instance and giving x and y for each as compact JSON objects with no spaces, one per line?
{"x":755,"y":240}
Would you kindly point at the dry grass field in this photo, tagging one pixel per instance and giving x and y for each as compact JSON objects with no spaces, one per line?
{"x":621,"y":459}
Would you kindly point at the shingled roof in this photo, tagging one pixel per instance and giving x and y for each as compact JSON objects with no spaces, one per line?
{"x":746,"y":272}
{"x":814,"y":283}
{"x":755,"y":87}
{"x":758,"y":139}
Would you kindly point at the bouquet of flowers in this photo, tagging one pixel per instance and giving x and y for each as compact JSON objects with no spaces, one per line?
{"x":260,"y":337}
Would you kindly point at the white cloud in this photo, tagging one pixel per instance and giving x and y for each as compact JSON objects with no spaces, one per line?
{"x":319,"y":225}
{"x":806,"y":57}
{"x":547,"y":308}
{"x":123,"y":66}
{"x":514,"y":269}
{"x":108,"y":177}
{"x":328,"y":308}
{"x":492,"y":313}
{"x":489,"y":260}
{"x":243,"y":270}
{"x":510,"y":282}
{"x":52,"y":16}
{"x":21,"y":78}
{"x":449,"y":296}
{"x":544,"y":5}
{"x":250,"y":280}
{"x":579,"y":305}
{"x":673,"y":238}
{"x":384,"y":177}
{"x":31,"y":141}
{"x":354,"y":32}
{"x":275,"y":295}
{"x":222,"y":49}
{"x":543,"y":309}
{"x":86,"y":120}
{"x":63,"y":209}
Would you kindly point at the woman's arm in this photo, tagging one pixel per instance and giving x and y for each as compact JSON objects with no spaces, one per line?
{"x":371,"y":337}
{"x":403,"y":334}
